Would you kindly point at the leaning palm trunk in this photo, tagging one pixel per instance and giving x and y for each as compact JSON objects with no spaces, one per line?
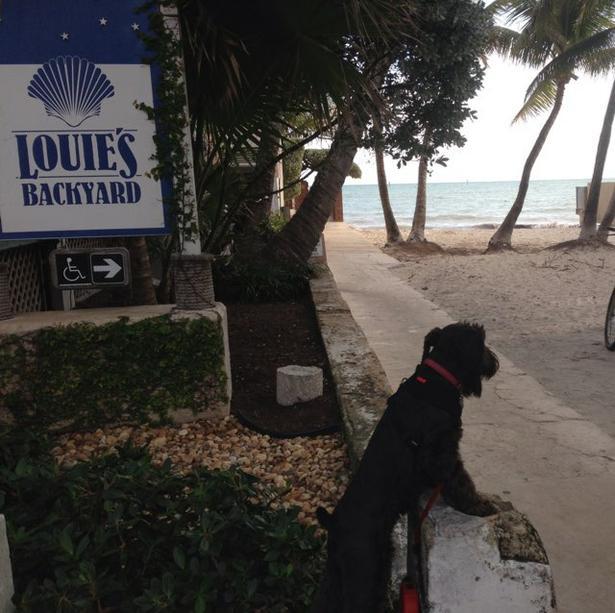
{"x":141,"y":271}
{"x":588,"y":225}
{"x":393,"y":233}
{"x":300,"y":235}
{"x":502,"y":237}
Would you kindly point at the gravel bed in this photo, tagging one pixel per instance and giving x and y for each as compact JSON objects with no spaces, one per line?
{"x":307,"y":472}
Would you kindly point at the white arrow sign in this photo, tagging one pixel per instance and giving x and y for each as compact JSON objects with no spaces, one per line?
{"x":111,"y":267}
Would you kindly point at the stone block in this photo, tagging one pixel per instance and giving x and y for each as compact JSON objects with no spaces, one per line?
{"x":484,"y":564}
{"x":6,"y":574}
{"x":298,"y":384}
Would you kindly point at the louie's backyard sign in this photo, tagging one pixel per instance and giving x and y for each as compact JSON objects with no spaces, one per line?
{"x":74,"y":150}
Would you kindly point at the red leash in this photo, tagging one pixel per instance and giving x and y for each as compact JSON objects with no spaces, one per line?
{"x":409,"y":598}
{"x":437,"y":491}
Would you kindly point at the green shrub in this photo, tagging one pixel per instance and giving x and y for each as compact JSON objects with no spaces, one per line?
{"x":276,"y":222}
{"x":257,"y":281}
{"x":118,"y":534}
{"x":83,"y":375}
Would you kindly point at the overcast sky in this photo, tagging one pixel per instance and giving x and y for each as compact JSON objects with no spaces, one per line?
{"x":496,"y":150}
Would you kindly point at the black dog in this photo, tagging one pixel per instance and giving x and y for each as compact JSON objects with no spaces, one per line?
{"x":414,"y":447}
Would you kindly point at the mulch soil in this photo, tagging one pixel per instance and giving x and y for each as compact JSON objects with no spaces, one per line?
{"x":263,"y":337}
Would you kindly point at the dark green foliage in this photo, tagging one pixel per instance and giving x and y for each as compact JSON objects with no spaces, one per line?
{"x":258,"y":281}
{"x":276,"y":222}
{"x":121,"y":535}
{"x":293,"y":163}
{"x":84,"y":375}
{"x":171,"y":162}
{"x":314,"y":159}
{"x":433,"y":79}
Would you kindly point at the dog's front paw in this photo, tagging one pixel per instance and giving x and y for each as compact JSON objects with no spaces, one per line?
{"x":500,"y":504}
{"x":486,"y":505}
{"x":482,"y":507}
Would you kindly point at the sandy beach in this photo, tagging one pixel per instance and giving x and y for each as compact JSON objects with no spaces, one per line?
{"x":544,"y":309}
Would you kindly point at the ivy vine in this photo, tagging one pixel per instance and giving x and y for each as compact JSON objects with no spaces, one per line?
{"x":172,"y":123}
{"x":84,"y":375}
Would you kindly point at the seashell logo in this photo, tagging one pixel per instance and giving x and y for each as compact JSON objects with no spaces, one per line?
{"x":71,"y":89}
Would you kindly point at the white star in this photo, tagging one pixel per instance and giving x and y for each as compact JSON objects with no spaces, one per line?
{"x":135,"y":27}
{"x":65,"y":35}
{"x":103,"y":21}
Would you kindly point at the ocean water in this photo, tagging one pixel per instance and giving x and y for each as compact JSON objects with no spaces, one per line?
{"x":454,"y":205}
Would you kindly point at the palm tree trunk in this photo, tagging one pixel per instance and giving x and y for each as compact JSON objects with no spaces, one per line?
{"x":301,"y":234}
{"x":393,"y":233}
{"x":588,"y":224}
{"x":502,"y":237}
{"x":141,"y":271}
{"x":607,"y":221}
{"x":248,"y":240}
{"x":417,"y":232}
{"x":258,"y":207}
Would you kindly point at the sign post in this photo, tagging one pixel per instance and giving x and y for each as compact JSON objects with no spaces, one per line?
{"x":192,"y":268}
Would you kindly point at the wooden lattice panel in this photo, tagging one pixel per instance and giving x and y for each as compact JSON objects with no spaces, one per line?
{"x":92,"y":243}
{"x":25,"y":278}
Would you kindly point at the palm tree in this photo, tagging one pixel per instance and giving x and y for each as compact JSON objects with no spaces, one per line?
{"x":595,"y":55}
{"x":390,"y":223}
{"x":417,"y":232}
{"x":251,"y":64}
{"x":548,"y":29}
{"x":300,"y":235}
{"x":588,"y":223}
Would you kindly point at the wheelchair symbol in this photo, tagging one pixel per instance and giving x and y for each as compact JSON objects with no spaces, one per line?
{"x":72,"y":273}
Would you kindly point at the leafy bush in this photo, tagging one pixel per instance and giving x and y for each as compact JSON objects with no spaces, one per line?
{"x":121,"y":535}
{"x":293,"y":163}
{"x":257,"y":281}
{"x":83,"y":375}
{"x":276,"y":222}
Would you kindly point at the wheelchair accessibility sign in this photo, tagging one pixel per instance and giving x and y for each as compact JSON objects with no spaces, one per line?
{"x":83,"y":268}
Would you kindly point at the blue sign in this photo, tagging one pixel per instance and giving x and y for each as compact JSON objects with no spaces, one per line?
{"x":75,"y":152}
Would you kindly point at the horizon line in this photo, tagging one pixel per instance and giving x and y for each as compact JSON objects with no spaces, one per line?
{"x":462,"y":181}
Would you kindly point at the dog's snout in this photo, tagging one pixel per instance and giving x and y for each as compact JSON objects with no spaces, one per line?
{"x":490,"y":363}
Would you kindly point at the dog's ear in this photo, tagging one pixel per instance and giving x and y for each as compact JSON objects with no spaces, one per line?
{"x":431,"y":340}
{"x":323,"y":517}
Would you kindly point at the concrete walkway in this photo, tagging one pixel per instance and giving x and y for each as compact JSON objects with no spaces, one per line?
{"x":520,"y":441}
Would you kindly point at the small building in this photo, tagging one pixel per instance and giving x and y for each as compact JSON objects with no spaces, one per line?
{"x":607,"y":190}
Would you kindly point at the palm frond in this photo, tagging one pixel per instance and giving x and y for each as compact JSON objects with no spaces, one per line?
{"x":541,"y":100}
{"x":594,"y":16}
{"x":502,"y":40}
{"x":599,"y":63}
{"x":588,"y":54}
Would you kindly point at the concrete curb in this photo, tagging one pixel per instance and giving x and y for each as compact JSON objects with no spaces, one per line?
{"x":361,"y":386}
